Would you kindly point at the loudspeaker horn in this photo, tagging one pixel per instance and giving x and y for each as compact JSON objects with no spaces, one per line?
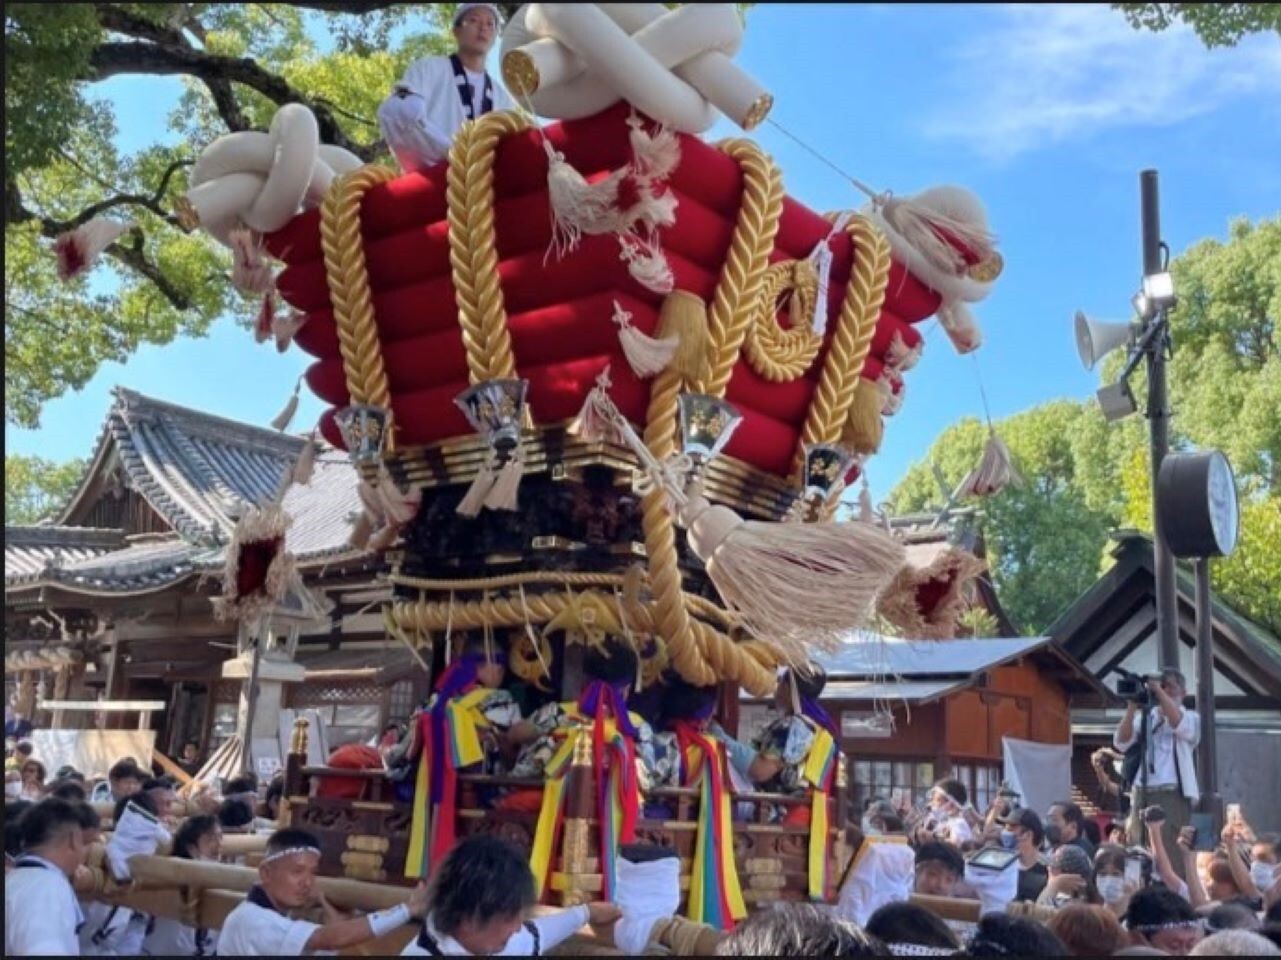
{"x":1096,"y":338}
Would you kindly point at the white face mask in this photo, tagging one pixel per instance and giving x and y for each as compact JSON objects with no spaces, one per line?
{"x":1263,"y":875}
{"x":13,"y":788}
{"x":1111,"y":889}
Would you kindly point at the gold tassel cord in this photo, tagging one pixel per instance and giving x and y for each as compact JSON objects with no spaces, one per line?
{"x":860,"y":310}
{"x":780,"y":355}
{"x":473,"y":254}
{"x":734,"y":305}
{"x":349,"y":290}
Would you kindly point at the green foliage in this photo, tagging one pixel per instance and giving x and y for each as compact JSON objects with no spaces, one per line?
{"x":1085,"y":477}
{"x":34,"y":488}
{"x":1217,"y":24}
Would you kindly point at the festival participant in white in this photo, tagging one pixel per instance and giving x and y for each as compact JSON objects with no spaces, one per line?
{"x":260,"y":926}
{"x":438,"y":94}
{"x":477,"y":905}
{"x":199,"y":838}
{"x":1173,"y":734}
{"x":41,"y":912}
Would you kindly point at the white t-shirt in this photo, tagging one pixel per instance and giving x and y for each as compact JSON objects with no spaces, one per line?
{"x":419,"y":128}
{"x":254,"y":931}
{"x":41,"y":912}
{"x":170,"y":938}
{"x":552,"y":930}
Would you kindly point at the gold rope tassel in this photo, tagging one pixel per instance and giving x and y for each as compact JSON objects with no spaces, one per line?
{"x":684,"y":316}
{"x":864,"y":428}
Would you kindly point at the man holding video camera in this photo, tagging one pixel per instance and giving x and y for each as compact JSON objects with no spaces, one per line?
{"x":1167,"y":773}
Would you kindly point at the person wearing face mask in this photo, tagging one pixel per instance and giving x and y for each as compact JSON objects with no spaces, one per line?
{"x":1265,"y":870}
{"x":1071,"y":879}
{"x":439,"y":94}
{"x":1022,"y":832}
{"x":199,"y":838}
{"x":1109,"y":878}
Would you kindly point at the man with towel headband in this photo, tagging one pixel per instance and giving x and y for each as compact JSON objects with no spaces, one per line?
{"x":260,"y":926}
{"x":438,"y":94}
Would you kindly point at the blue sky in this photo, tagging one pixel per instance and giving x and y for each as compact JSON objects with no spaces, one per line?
{"x":1047,"y":112}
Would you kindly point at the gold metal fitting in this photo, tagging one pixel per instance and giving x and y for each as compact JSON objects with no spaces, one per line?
{"x":757,"y":112}
{"x":987,"y":270}
{"x":520,"y":74}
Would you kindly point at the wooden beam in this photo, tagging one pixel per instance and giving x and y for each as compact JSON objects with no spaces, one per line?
{"x":107,"y":706}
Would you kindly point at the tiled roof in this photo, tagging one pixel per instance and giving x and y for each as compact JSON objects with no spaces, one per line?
{"x":28,"y":550}
{"x":198,"y":471}
{"x":321,"y":510}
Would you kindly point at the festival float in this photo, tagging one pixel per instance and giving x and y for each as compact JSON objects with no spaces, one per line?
{"x":602,"y":378}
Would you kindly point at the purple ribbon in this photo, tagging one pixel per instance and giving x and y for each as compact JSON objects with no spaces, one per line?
{"x":457,"y":680}
{"x":814,"y":710}
{"x":599,"y":694}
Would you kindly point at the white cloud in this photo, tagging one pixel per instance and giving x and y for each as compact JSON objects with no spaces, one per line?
{"x":1050,"y":74}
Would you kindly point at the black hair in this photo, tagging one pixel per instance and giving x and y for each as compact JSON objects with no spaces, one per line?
{"x":1072,"y":814}
{"x":936,"y":851}
{"x":1274,"y":913}
{"x":1157,"y":905}
{"x":954,"y":789}
{"x":25,"y":747}
{"x":156,"y":783}
{"x":45,"y":821}
{"x":189,"y":834}
{"x":128,"y":767}
{"x":233,"y":814}
{"x":275,"y":791}
{"x":139,"y":799}
{"x":1109,"y":854}
{"x":1271,"y":931}
{"x":291,"y":837}
{"x":810,"y":680}
{"x":1001,"y":934}
{"x":1234,"y":914}
{"x":1091,"y":830}
{"x":908,"y":923}
{"x":89,"y":818}
{"x":239,"y":785}
{"x":13,"y":811}
{"x":682,"y":700}
{"x":616,"y":663}
{"x":799,"y":930}
{"x":67,"y":790}
{"x":483,"y":878}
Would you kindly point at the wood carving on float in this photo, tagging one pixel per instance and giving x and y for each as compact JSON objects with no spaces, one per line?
{"x":460,"y":319}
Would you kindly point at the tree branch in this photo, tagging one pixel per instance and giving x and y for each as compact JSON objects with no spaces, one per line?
{"x":110,"y":59}
{"x":228,"y":107}
{"x":115,"y":18}
{"x":135,"y":258}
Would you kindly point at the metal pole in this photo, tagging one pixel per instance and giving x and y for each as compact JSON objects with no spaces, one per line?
{"x":1207,"y":760}
{"x":1159,"y":430}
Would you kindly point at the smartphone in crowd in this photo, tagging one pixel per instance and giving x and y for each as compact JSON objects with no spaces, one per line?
{"x":1134,"y":871}
{"x":1203,"y":839}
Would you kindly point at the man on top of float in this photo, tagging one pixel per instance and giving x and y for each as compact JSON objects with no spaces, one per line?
{"x":438,"y":94}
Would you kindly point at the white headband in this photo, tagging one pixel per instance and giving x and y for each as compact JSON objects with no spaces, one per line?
{"x":918,"y":950}
{"x":1172,"y":925}
{"x":287,"y":852}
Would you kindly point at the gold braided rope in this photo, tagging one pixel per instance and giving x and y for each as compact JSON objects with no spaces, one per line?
{"x":734,"y":305}
{"x":860,"y":311}
{"x":781,"y":355}
{"x":473,"y":254}
{"x":348,"y":278}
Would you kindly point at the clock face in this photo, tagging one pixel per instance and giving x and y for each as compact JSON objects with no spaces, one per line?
{"x":1222,"y":494}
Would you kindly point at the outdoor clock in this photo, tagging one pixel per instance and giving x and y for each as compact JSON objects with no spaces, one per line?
{"x":1196,"y":500}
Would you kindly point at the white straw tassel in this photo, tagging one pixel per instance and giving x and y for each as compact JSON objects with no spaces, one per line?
{"x":305,"y":465}
{"x":579,"y":207}
{"x":78,"y":250}
{"x":285,"y":328}
{"x":285,"y":417}
{"x":900,"y":356}
{"x":360,"y":531}
{"x":928,"y":232}
{"x":590,"y":425}
{"x":646,"y":355}
{"x":647,"y":263}
{"x":250,"y":272}
{"x":503,"y":494}
{"x":866,"y":513}
{"x":383,"y":538}
{"x":994,"y":472}
{"x":799,"y":585}
{"x":958,"y":323}
{"x":399,"y":508}
{"x":653,"y":157}
{"x":474,"y":499}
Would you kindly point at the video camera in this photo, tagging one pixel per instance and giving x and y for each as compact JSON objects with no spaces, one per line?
{"x":1134,"y":686}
